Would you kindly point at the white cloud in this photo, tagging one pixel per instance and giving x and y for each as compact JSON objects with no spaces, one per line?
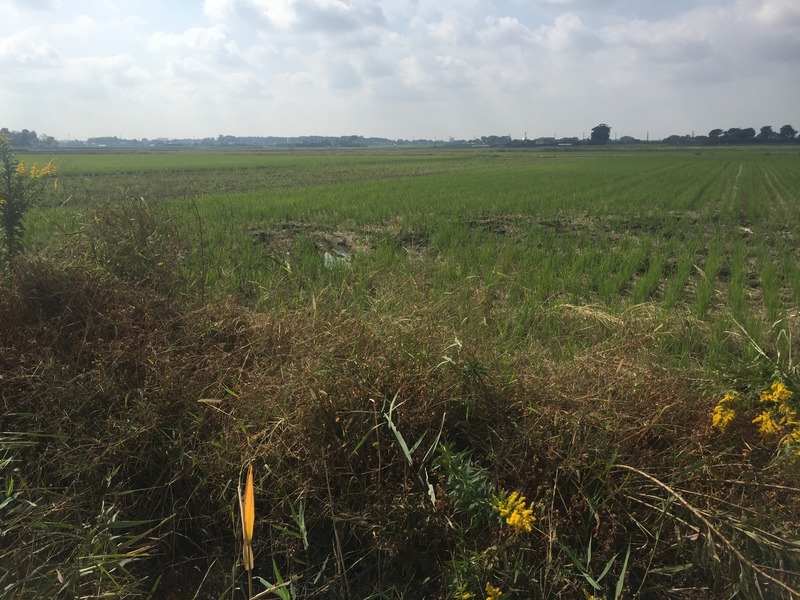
{"x":383,"y":66}
{"x":776,"y":13}
{"x":210,"y":45}
{"x":568,"y":34}
{"x":506,"y":31}
{"x":275,"y":13}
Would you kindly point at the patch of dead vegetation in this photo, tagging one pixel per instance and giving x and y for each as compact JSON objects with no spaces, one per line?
{"x":140,"y":400}
{"x":281,"y":239}
{"x":500,"y":225}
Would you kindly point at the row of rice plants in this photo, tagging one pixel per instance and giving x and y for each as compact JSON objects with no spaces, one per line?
{"x":582,"y":228}
{"x":706,"y":289}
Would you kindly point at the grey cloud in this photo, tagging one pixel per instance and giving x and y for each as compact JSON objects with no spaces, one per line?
{"x":569,"y":35}
{"x":339,"y":17}
{"x":506,"y":31}
{"x":376,"y":68}
{"x":679,"y":51}
{"x":342,"y":75}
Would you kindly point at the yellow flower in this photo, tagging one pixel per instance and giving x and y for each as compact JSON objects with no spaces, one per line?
{"x":492,"y":593}
{"x":776,"y":393}
{"x":792,"y":438}
{"x":514,"y":511}
{"x":723,"y":414}
{"x":766,"y":424}
{"x":722,"y":417}
{"x":21,"y":168}
{"x":48,"y":169}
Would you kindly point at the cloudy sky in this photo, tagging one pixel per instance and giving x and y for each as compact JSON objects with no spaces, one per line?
{"x":397,"y":68}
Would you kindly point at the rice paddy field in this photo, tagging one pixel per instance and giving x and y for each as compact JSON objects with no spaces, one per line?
{"x":403,"y":344}
{"x":711,"y":234}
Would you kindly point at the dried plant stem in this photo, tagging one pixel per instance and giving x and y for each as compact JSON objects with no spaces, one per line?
{"x":712,"y":529}
{"x":337,"y":542}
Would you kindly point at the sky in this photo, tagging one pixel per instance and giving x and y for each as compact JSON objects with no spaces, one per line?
{"x":407,"y":69}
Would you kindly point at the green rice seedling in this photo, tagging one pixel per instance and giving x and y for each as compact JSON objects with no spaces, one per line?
{"x":646,"y":286}
{"x":614,"y":285}
{"x":771,"y":285}
{"x":791,"y":269}
{"x":674,"y":291}
{"x":737,"y":299}
{"x":706,"y":289}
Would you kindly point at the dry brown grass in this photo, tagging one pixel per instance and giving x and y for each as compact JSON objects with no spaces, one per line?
{"x":144,"y":402}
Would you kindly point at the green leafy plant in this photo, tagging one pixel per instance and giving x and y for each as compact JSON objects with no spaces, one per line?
{"x":595,"y":579}
{"x":20,"y":188}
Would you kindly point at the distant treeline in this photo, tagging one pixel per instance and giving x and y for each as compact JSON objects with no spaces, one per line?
{"x":766,"y":135}
{"x":28,"y":139}
{"x":601,"y":135}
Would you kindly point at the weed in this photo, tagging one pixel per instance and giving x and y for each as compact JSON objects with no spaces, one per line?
{"x":130,"y":391}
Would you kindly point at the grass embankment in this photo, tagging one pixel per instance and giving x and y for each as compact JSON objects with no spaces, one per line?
{"x":391,"y":406}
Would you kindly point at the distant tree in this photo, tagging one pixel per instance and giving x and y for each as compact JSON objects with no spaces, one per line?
{"x":496,"y":140}
{"x":736,"y":135}
{"x":678,"y":140}
{"x":47,"y":141}
{"x":715,"y":135}
{"x":24,"y":139}
{"x":627,"y":139}
{"x":601,"y":134}
{"x":766,"y":134}
{"x":788,"y":133}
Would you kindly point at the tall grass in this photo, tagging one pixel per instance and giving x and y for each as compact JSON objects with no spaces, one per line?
{"x":576,"y":227}
{"x":555,"y":326}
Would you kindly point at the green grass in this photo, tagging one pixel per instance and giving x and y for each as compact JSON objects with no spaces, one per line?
{"x":615,"y":229}
{"x":555,"y":323}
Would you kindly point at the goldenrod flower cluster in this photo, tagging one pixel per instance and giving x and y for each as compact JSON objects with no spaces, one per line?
{"x":35,"y":171}
{"x":461,"y":593}
{"x":492,"y":593}
{"x":777,"y":393}
{"x":723,"y":413}
{"x":780,"y":413}
{"x":514,"y":511}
